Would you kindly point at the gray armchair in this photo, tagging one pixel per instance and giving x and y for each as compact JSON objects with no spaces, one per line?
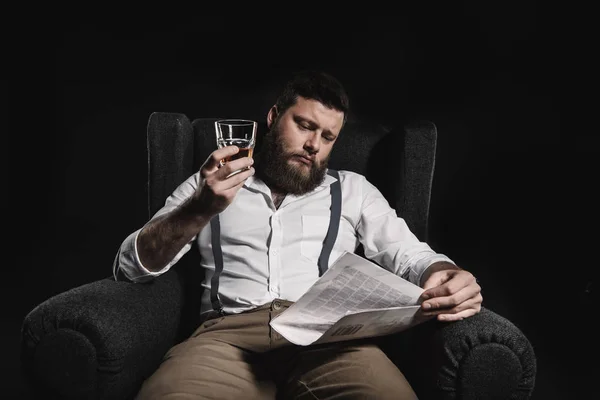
{"x":102,"y":339}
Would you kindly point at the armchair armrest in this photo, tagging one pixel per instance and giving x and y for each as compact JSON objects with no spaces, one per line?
{"x":481,"y":357}
{"x":102,"y":339}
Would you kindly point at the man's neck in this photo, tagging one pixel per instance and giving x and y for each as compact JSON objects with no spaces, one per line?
{"x":277,"y":197}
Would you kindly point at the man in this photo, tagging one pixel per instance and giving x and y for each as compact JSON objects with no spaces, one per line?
{"x":267,"y":224}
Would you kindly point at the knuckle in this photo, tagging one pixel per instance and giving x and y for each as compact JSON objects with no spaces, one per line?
{"x":447,"y":290}
{"x":228,"y":168}
{"x":211,"y":185}
{"x":209,"y":181}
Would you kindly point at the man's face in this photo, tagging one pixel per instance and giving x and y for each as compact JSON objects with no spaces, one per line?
{"x":297,"y":148}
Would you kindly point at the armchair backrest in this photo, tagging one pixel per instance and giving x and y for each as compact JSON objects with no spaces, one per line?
{"x":398,"y":160}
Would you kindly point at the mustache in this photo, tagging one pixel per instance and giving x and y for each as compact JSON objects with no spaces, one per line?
{"x":307,"y":155}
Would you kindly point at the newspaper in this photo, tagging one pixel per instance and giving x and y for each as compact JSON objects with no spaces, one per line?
{"x":354,"y":299}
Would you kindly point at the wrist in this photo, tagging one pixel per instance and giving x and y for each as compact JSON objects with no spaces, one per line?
{"x":435,"y":267}
{"x":192,"y":209}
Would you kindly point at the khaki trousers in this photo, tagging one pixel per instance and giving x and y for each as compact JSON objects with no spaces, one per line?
{"x":241,"y":357}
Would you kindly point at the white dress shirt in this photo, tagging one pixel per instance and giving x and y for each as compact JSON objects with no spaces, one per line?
{"x":271,"y":253}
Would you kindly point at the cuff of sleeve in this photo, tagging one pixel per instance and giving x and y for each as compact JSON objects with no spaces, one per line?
{"x":129,"y":261}
{"x":416,"y":272}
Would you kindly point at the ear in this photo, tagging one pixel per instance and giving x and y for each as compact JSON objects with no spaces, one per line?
{"x":272,"y":116}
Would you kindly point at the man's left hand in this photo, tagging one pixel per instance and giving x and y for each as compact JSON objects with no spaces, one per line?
{"x":450,"y":293}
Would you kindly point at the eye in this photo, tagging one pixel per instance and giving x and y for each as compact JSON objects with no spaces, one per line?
{"x":329,"y":138}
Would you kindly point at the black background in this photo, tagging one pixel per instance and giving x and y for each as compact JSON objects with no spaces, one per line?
{"x":513,"y":197}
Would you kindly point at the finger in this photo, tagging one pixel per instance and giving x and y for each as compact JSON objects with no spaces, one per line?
{"x":453,"y":282}
{"x":472,"y":302}
{"x":221,"y":187}
{"x":213,"y":162}
{"x":236,"y":180}
{"x":230,"y":167}
{"x":459,"y":297}
{"x":228,"y":194}
{"x":464,"y":313}
{"x":222,"y":192}
{"x":456,"y":317}
{"x":232,"y":191}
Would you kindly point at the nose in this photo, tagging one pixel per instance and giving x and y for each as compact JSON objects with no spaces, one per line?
{"x":313,"y":143}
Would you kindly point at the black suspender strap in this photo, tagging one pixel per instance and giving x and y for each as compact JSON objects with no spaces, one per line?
{"x":323,"y":262}
{"x":215,"y":233}
{"x":334,"y":222}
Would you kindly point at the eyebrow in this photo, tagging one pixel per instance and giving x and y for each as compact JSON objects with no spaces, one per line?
{"x":312,"y":124}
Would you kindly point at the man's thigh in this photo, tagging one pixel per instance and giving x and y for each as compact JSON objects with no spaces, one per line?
{"x":207,"y":368}
{"x":222,"y":359}
{"x":359,"y":370}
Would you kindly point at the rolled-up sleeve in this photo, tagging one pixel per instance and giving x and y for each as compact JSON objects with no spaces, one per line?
{"x":129,"y":262}
{"x":388,"y":241}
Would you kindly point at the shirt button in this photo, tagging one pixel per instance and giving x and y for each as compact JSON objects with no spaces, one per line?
{"x":276,"y":305}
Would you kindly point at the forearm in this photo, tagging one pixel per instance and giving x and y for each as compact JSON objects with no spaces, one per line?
{"x":161,"y":239}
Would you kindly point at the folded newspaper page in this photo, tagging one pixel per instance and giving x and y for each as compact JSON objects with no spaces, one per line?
{"x":354,"y":299}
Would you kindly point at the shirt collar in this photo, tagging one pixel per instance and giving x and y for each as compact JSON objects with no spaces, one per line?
{"x":256,"y":183}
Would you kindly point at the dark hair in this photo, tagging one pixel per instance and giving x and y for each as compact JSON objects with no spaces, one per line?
{"x":314,"y":85}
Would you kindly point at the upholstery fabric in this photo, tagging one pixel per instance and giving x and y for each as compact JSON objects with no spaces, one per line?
{"x":100,"y":340}
{"x":482,"y":357}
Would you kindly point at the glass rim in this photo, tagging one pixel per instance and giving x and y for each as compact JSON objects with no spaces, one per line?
{"x":236,"y":122}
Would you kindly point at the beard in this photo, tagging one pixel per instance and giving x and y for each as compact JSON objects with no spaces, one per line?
{"x":273,"y":167}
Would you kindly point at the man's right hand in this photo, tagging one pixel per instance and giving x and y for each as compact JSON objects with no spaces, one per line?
{"x":216,"y":189}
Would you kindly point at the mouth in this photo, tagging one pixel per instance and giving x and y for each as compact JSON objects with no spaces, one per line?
{"x":304,"y":160}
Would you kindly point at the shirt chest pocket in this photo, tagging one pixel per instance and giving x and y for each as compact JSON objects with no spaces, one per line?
{"x":314,"y":230}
